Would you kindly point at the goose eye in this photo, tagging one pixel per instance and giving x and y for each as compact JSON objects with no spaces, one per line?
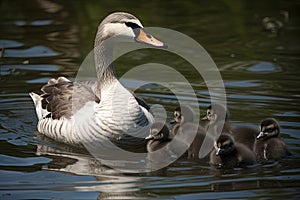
{"x":132,"y":25}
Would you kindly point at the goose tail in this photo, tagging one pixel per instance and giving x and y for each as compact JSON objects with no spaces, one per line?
{"x":37,"y":100}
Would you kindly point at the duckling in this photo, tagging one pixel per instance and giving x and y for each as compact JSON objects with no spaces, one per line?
{"x":245,"y":135}
{"x":159,"y":136}
{"x":241,"y":134}
{"x":194,"y":148}
{"x":271,"y":24}
{"x":269,"y":146}
{"x":230,"y":154}
{"x":183,"y":119}
{"x":182,"y":114}
{"x":217,"y":115}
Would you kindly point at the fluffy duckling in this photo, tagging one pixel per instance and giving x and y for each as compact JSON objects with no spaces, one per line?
{"x":229,"y":154}
{"x":245,"y":135}
{"x":194,"y":148}
{"x":183,"y":124}
{"x":159,"y":136}
{"x":217,"y":115}
{"x":182,"y":114}
{"x":241,"y":134}
{"x":269,"y":146}
{"x":271,"y":24}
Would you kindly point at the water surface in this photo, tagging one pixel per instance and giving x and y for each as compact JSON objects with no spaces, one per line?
{"x":260,"y":69}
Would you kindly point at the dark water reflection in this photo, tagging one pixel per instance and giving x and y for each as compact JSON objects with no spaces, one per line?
{"x":43,"y":39}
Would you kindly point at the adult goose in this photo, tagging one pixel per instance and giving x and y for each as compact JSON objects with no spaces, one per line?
{"x":92,"y":111}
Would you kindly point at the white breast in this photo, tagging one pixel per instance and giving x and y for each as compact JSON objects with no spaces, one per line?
{"x":117,"y":117}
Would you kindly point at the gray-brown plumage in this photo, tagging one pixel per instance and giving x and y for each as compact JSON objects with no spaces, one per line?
{"x":244,"y":135}
{"x":183,"y":124}
{"x":241,"y":134}
{"x":217,"y":116}
{"x":189,"y":129}
{"x":58,"y":93}
{"x":60,"y":100}
{"x":182,"y":115}
{"x":230,"y":154}
{"x":158,"y":137}
{"x":269,"y":146}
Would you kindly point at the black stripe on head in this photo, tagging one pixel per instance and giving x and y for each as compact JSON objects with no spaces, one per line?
{"x":132,"y":25}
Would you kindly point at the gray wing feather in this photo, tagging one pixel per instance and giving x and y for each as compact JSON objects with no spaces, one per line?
{"x":60,"y":95}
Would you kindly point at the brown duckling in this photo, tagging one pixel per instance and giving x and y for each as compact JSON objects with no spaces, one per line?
{"x":159,"y":136}
{"x":245,"y":135}
{"x":271,"y":24}
{"x":194,"y":148}
{"x":241,"y":134}
{"x":230,"y":154}
{"x":183,"y":124}
{"x":269,"y":146}
{"x":182,"y":114}
{"x":217,"y":115}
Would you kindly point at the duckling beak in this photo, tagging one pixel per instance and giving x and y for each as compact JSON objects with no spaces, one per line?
{"x":261,"y":135}
{"x":149,"y":137}
{"x":219,"y":151}
{"x":142,"y":36}
{"x":204,"y":118}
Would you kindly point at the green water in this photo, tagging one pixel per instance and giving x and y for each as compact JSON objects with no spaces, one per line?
{"x":260,"y":70}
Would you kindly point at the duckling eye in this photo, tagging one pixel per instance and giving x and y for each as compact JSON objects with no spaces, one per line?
{"x":177,"y":114}
{"x":270,"y":130}
{"x":132,"y":25}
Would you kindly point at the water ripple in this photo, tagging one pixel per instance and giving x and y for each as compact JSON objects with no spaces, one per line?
{"x":36,"y":51}
{"x":10,"y":44}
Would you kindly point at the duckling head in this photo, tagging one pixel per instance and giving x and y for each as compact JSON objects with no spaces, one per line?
{"x":182,"y":115}
{"x":271,"y":24}
{"x":158,"y":131}
{"x":268,"y":128}
{"x":214,"y":113}
{"x":224,"y":145}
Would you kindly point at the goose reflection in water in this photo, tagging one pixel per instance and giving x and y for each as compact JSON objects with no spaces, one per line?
{"x":108,"y":182}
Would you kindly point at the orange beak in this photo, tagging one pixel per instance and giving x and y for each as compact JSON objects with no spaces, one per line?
{"x":143,"y":37}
